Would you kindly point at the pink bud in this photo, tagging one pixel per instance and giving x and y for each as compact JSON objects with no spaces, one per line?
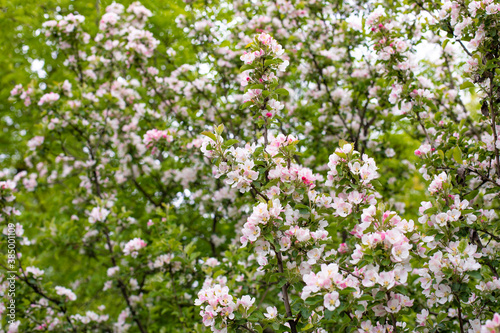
{"x":269,"y":115}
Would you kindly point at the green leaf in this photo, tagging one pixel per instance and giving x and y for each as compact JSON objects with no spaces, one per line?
{"x":210,"y":135}
{"x":271,"y":62}
{"x":231,"y":142}
{"x":457,"y":155}
{"x":246,"y":68}
{"x":342,"y":143}
{"x":225,"y":43}
{"x":314,"y":300}
{"x":365,"y":297}
{"x":445,"y":42}
{"x":401,"y":289}
{"x":270,"y":184}
{"x":218,"y":273}
{"x":245,"y":105}
{"x":466,"y":85}
{"x":442,"y":316}
{"x":256,"y":86}
{"x":282,"y":92}
{"x":380,"y":295}
{"x":341,"y":155}
{"x":471,"y":195}
{"x":281,"y":282}
{"x":220,"y":129}
{"x":306,"y":312}
{"x":348,"y":290}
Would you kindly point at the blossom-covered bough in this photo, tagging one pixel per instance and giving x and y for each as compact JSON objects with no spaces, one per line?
{"x":321,"y":175}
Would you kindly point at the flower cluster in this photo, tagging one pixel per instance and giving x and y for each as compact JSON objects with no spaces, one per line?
{"x":268,"y":46}
{"x":361,"y":168}
{"x":492,"y":326}
{"x":132,"y":247}
{"x":259,"y":79}
{"x":220,"y":306}
{"x":154,"y":136}
{"x":98,"y":214}
{"x":70,"y":295}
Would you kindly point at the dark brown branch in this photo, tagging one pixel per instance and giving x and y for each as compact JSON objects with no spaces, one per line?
{"x":284,"y":291}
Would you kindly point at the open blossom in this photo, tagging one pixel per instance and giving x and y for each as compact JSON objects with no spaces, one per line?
{"x":248,"y":57}
{"x":437,"y":183}
{"x":285,"y":243}
{"x":386,"y":279}
{"x":400,"y":252}
{"x":35,"y":142}
{"x":444,"y":294}
{"x":98,"y":214}
{"x":70,"y":295}
{"x":113,"y":270}
{"x":216,"y":302}
{"x":35,"y":271}
{"x":48,"y":98}
{"x":17,"y":90}
{"x":163,"y":260}
{"x":283,"y":66}
{"x":275,"y":105}
{"x":492,"y":326}
{"x":271,"y":313}
{"x":422,"y":317}
{"x":246,"y":301}
{"x":155,"y":135}
{"x":331,"y":300}
{"x":133,"y":246}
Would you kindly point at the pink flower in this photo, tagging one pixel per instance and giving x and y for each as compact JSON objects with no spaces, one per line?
{"x":492,"y":326}
{"x":98,"y":214}
{"x":272,"y":312}
{"x":393,"y":306}
{"x":48,"y":98}
{"x":246,"y":301}
{"x":422,"y":317}
{"x":386,"y":279}
{"x":70,"y":295}
{"x":331,"y":300}
{"x":35,"y":142}
{"x":247,"y":58}
{"x":133,"y":246}
{"x":285,"y":243}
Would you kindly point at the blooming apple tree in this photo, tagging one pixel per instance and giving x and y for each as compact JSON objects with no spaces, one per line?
{"x":274,"y":166}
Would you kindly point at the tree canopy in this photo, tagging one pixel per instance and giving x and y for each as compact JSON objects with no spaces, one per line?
{"x":259,"y":166}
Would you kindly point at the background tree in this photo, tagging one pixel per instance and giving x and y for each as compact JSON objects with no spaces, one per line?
{"x":279,"y":166}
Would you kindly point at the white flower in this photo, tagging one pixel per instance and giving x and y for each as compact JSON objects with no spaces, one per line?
{"x":272,"y":312}
{"x":66,"y":292}
{"x":98,"y":214}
